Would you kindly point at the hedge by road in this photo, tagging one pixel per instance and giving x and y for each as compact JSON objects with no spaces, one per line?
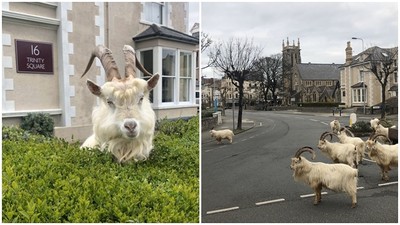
{"x":49,"y":180}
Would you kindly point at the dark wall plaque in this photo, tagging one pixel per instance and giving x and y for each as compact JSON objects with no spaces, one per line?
{"x":34,"y":57}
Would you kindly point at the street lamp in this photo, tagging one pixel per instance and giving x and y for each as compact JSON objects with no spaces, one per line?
{"x":356,"y":38}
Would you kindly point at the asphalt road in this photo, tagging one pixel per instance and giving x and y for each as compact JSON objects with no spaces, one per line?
{"x":250,"y":180}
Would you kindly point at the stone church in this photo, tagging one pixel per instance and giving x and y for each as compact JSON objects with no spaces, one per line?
{"x":308,"y":82}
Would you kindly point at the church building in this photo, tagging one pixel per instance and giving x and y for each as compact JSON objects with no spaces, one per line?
{"x":308,"y":82}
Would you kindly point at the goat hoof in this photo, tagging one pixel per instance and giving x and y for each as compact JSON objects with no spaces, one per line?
{"x":353,"y":205}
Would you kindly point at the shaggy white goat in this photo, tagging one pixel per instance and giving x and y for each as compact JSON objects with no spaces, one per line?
{"x":338,"y":152}
{"x":123,"y":122}
{"x":336,"y":177}
{"x":222,"y":134}
{"x":335,"y":126}
{"x":391,"y":133}
{"x":358,"y":142}
{"x":384,"y":155}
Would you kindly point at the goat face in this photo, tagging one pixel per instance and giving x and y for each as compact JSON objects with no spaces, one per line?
{"x":125,"y":109}
{"x":322,"y":144}
{"x":124,"y":121}
{"x":295,"y":162}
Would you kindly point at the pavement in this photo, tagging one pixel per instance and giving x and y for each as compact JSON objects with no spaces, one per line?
{"x":249,"y":124}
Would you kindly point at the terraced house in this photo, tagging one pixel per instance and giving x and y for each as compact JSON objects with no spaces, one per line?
{"x":46,"y":47}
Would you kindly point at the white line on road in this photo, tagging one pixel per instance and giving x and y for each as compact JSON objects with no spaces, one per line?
{"x":222,"y":210}
{"x":358,"y":188}
{"x":324,"y":123}
{"x":271,"y":201}
{"x":314,"y":120}
{"x":386,"y":184}
{"x":368,"y":160}
{"x":311,"y":195}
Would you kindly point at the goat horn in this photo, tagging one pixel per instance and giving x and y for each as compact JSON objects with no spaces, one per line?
{"x":381,"y":135}
{"x":349,"y":132}
{"x":326,"y":133}
{"x":305,"y":149}
{"x":109,"y":65}
{"x":130,"y":60}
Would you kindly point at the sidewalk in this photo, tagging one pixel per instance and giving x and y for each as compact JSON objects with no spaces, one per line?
{"x":249,"y":124}
{"x":227,"y":123}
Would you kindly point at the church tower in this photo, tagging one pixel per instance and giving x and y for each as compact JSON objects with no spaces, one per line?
{"x":290,"y":57}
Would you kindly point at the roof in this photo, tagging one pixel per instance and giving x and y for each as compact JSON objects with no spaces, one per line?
{"x":359,"y":85}
{"x":161,"y":32}
{"x":311,"y":71}
{"x":373,"y":54}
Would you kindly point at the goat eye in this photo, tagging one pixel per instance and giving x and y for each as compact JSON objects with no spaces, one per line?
{"x":140,"y":99}
{"x":110,"y":103}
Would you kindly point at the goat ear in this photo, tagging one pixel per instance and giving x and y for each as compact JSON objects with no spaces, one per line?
{"x":94,"y":88}
{"x":151,"y":83}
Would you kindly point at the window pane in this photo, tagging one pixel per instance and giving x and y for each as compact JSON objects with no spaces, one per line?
{"x":167,"y":89}
{"x":168,"y":62}
{"x":146,"y":57}
{"x":184,"y":90}
{"x":153,"y":12}
{"x":185,"y":64}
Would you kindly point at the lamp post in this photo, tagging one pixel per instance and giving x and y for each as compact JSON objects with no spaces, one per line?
{"x":361,"y":72}
{"x":356,"y":38}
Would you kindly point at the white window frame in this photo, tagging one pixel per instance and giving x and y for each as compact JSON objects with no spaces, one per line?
{"x":358,"y":94}
{"x":145,"y":12}
{"x":190,"y":78}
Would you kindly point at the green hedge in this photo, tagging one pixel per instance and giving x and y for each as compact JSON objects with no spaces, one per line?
{"x":49,"y":180}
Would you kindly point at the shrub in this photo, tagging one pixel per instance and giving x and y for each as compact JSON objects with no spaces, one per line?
{"x":50,"y":180}
{"x":38,"y":123}
{"x":361,"y":127}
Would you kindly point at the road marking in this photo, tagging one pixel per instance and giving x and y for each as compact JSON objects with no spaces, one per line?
{"x":314,"y":120}
{"x":368,"y":160}
{"x":271,"y":201}
{"x":222,"y":210}
{"x":312,"y":195}
{"x":386,"y":184}
{"x":324,"y":123}
{"x":358,"y":188}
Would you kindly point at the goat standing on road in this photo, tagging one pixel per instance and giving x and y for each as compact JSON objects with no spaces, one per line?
{"x":336,"y":177}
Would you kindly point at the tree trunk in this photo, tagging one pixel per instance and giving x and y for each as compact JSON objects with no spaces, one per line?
{"x":240,"y":111}
{"x":383,"y":104}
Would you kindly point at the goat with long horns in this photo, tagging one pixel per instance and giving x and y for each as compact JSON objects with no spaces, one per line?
{"x":124,"y":121}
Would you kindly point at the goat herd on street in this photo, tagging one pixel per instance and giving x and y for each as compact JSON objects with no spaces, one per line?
{"x":346,"y":154}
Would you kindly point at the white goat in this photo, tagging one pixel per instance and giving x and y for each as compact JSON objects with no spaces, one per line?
{"x":390,"y":133}
{"x":336,"y":177}
{"x":124,"y":121}
{"x":338,"y":152}
{"x":222,"y":134}
{"x":384,"y":155}
{"x":356,"y":141}
{"x":335,"y":126}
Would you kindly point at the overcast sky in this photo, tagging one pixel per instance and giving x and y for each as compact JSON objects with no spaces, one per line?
{"x":323,"y":28}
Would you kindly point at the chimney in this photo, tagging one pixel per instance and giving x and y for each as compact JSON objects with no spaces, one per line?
{"x":349,"y":54}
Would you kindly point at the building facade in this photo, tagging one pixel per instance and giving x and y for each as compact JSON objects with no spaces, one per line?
{"x":358,"y":85}
{"x":307,"y":82}
{"x":53,"y":36}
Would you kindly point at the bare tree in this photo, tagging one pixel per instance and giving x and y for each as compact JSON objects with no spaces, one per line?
{"x":235,"y":58}
{"x":206,"y":42}
{"x":382,"y":63}
{"x":270,"y":69}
